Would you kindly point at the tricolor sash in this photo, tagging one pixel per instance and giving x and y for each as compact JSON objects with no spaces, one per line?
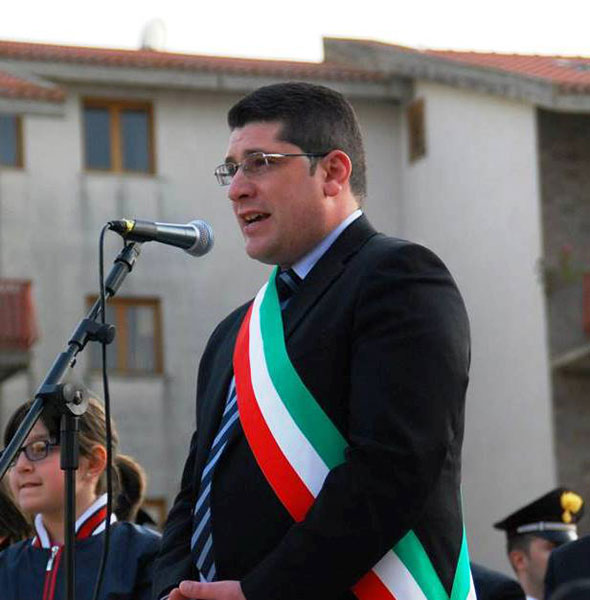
{"x":296,"y":444}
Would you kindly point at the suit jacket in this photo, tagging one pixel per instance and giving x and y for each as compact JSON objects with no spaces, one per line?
{"x":379,"y":334}
{"x":568,"y":563}
{"x":492,"y":585}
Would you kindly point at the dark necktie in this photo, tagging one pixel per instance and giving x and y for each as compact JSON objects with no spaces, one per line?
{"x":287,"y":283}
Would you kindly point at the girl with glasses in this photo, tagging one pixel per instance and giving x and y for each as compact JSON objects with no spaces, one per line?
{"x":33,"y":568}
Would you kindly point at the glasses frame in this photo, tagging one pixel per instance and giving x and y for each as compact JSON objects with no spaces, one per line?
{"x":225,"y":172}
{"x":49,"y":445}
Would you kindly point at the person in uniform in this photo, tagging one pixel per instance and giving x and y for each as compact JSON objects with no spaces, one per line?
{"x":534,"y":530}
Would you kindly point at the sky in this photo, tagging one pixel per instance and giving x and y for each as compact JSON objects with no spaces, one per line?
{"x":293,"y":29}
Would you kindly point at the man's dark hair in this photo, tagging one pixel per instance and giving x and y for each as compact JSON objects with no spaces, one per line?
{"x":519,"y":542}
{"x":314,"y":117}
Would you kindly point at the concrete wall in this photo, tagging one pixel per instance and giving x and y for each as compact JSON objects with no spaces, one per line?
{"x":474,"y":199}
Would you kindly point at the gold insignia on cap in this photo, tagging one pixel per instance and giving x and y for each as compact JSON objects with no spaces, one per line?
{"x":571,"y":504}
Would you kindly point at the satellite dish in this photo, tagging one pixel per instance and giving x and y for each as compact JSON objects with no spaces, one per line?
{"x":153,"y":36}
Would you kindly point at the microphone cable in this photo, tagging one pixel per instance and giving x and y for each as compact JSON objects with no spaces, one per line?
{"x":107,"y":410}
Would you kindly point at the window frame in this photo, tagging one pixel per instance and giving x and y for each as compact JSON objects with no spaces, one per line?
{"x":115,"y":107}
{"x":120,"y":304}
{"x":416,"y":127}
{"x":20,"y":162}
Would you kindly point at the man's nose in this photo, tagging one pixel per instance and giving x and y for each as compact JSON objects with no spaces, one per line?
{"x":241,"y":187}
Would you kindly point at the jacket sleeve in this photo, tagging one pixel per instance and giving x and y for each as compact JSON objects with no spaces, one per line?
{"x":145,"y":546}
{"x":174,"y":562}
{"x":407,"y":376}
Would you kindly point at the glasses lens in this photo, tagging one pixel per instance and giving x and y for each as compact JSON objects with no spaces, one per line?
{"x":37,"y":450}
{"x":255,"y":163}
{"x":224,"y":173}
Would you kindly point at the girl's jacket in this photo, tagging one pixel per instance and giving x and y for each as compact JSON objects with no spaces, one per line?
{"x":35,"y":569}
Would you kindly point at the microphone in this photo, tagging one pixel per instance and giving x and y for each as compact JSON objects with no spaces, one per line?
{"x":195,"y":237}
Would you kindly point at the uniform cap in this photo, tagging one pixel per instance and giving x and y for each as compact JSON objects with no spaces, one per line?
{"x":552,"y":516}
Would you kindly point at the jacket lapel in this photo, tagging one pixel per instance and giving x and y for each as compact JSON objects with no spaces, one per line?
{"x":326,"y":271}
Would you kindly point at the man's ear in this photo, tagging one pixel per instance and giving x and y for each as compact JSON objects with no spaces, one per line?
{"x":337,"y":168}
{"x":518,"y":560}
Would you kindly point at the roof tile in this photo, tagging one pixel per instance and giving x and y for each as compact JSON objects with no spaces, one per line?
{"x":166,"y":60}
{"x":12,"y":86}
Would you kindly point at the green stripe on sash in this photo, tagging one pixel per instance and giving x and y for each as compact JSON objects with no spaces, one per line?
{"x":462,"y":582}
{"x":412,"y":554}
{"x":330,"y":445}
{"x":303,"y":408}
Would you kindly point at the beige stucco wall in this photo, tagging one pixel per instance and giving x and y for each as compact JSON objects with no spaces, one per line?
{"x":474,"y":199}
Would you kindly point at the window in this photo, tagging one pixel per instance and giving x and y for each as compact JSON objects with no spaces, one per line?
{"x":416,"y":130}
{"x":137,"y":348}
{"x":11,"y":151}
{"x":118,"y":136}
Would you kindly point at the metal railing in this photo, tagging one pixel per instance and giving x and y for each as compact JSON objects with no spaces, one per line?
{"x":18,"y":325}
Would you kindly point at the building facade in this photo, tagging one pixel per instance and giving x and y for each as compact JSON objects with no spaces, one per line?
{"x":460,"y":158}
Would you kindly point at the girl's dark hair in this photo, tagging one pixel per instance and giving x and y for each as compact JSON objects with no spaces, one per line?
{"x":133,"y":483}
{"x":14,"y":526}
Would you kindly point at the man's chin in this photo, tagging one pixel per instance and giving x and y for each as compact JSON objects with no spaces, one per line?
{"x":261,"y":255}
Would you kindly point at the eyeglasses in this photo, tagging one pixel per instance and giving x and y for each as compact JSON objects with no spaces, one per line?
{"x":256,"y":163}
{"x":35,"y":451}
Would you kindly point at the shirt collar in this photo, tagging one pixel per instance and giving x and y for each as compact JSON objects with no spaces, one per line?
{"x":91,"y":522}
{"x":304,"y":265}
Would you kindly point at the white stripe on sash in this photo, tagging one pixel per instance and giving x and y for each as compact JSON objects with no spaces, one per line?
{"x":296,"y":447}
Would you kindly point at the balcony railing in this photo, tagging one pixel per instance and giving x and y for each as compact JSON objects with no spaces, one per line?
{"x":18,"y":326}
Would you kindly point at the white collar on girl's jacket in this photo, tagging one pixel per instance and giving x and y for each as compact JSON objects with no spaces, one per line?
{"x":91,"y":522}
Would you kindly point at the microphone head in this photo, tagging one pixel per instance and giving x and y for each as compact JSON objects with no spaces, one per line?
{"x":205,"y":238}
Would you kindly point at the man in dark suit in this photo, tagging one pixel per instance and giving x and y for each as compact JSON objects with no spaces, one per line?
{"x":567,"y":564}
{"x":346,"y":452}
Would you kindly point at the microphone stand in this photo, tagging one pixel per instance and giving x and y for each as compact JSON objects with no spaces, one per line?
{"x":71,"y":401}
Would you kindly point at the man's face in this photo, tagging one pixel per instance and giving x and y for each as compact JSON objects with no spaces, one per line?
{"x":536,"y":562}
{"x":283,"y":211}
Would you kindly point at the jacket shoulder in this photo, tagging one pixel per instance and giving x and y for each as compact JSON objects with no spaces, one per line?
{"x":137,"y":536}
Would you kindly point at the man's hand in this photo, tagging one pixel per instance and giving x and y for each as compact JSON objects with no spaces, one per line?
{"x":198,"y":590}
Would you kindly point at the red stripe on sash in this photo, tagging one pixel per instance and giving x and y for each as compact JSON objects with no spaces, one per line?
{"x":370,"y":586}
{"x":277,"y":470}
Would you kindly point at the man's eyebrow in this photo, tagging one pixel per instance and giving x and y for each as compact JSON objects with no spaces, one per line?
{"x":246,"y":152}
